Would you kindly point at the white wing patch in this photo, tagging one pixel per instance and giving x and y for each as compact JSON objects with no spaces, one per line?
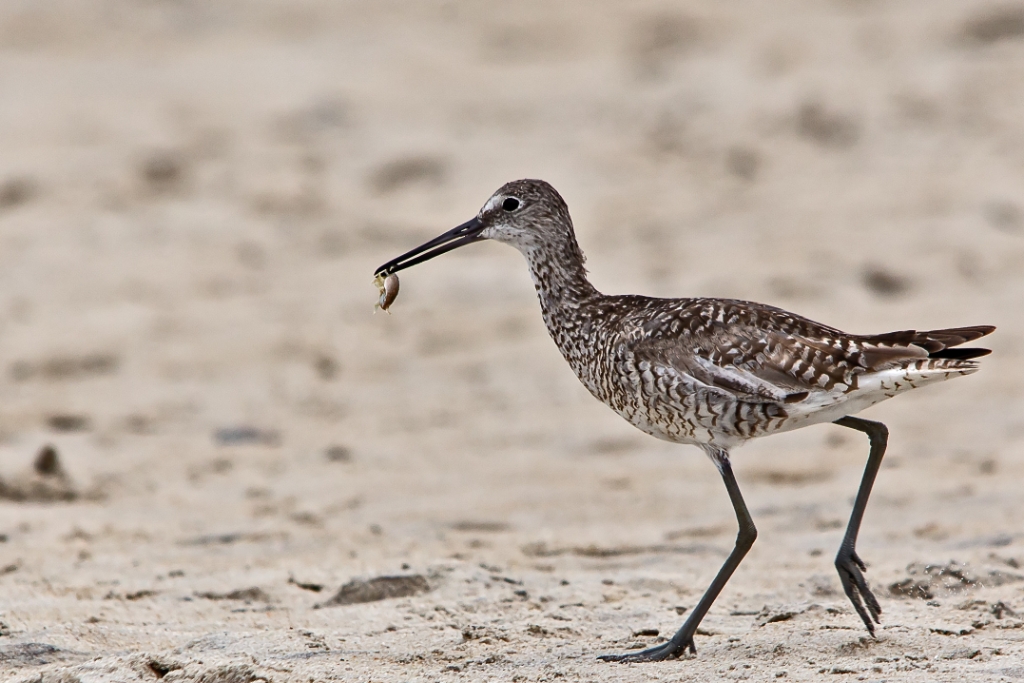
{"x":732,"y":378}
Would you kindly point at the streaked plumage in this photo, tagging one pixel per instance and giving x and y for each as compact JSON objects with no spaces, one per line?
{"x":709,"y":372}
{"x":719,"y":372}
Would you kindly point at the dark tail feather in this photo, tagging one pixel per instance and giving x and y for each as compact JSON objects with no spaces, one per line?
{"x":960,"y":354}
{"x":938,"y":343}
{"x":932,"y":340}
{"x":954,"y":337}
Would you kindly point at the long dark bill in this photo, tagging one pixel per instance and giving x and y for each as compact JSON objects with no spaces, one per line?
{"x":453,"y":239}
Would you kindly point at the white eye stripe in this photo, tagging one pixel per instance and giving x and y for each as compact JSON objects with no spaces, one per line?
{"x":499,"y":202}
{"x":492,"y":204}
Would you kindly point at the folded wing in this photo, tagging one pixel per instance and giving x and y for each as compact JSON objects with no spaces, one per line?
{"x":763,"y":354}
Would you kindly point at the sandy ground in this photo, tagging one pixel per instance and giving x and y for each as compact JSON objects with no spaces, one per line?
{"x":193,"y":197}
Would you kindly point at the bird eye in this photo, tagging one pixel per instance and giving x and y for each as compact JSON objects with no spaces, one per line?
{"x":510,"y":204}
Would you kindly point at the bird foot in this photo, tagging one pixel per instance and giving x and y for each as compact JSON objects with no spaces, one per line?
{"x":851,"y":573}
{"x":669,"y":650}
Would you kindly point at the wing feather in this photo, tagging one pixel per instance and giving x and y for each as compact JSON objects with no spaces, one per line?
{"x":761,"y":354}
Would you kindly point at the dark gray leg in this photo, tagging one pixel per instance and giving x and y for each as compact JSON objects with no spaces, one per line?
{"x":683,"y":639}
{"x":851,"y":567}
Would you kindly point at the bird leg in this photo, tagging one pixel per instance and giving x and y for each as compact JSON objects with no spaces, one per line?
{"x":851,"y":568}
{"x":683,"y":639}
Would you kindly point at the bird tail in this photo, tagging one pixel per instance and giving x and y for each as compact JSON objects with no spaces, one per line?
{"x":897,"y":348}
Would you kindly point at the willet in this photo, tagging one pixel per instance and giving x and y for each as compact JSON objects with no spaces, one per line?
{"x":710,"y":372}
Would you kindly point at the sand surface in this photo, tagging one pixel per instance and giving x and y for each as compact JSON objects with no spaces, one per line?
{"x":193,"y":197}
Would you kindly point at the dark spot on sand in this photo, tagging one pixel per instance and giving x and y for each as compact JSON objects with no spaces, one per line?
{"x":162,"y":667}
{"x":47,"y":481}
{"x":251,"y":594}
{"x":884,"y":282}
{"x":827,"y":127}
{"x":379,"y":588}
{"x":163,"y":171}
{"x":338,"y":454}
{"x":139,"y":594}
{"x":646,"y":633}
{"x":314,"y":587}
{"x":68,"y":422}
{"x":16,"y":191}
{"x":995,"y":24}
{"x":1004,"y":216}
{"x":47,"y":462}
{"x":744,"y":163}
{"x":327,"y":368}
{"x":58,"y":368}
{"x":32,"y":654}
{"x":245,"y":435}
{"x":229,"y":538}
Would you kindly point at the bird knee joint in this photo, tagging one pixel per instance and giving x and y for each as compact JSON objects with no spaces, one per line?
{"x":880,"y":432}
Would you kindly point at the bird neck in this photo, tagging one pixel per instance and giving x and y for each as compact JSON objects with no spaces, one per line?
{"x":560,"y":278}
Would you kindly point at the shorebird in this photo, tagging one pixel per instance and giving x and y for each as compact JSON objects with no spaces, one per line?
{"x":713,"y":373}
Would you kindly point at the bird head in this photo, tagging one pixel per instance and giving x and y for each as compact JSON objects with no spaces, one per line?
{"x":527,"y":214}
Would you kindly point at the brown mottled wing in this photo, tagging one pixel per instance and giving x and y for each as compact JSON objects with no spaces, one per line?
{"x":760,"y":353}
{"x":739,"y":349}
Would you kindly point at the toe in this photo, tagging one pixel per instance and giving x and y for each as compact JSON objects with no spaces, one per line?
{"x":660,"y":653}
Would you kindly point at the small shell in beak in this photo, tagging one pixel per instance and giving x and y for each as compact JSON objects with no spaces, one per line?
{"x":388,"y":287}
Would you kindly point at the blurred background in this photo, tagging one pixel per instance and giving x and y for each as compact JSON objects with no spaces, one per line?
{"x":194,"y":197}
